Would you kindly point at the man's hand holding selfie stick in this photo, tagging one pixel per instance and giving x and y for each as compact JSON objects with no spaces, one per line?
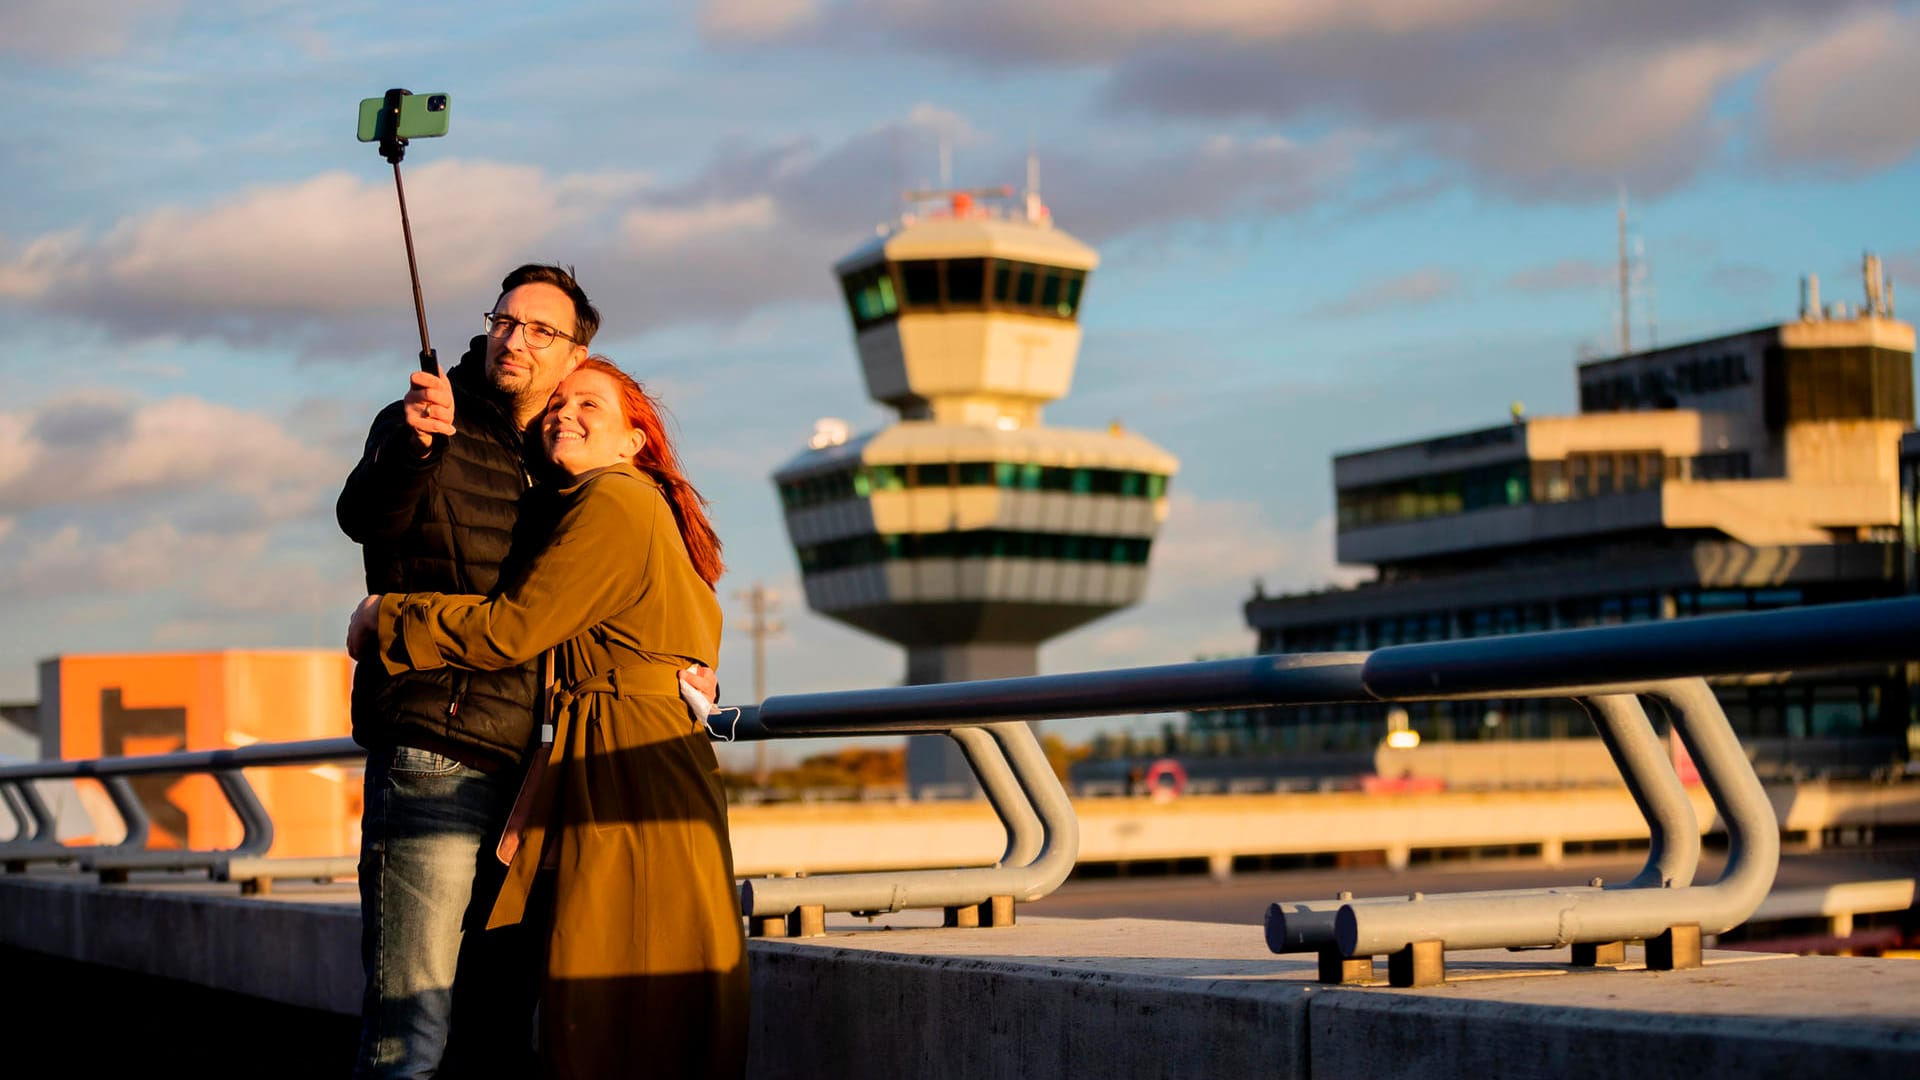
{"x":391,"y":120}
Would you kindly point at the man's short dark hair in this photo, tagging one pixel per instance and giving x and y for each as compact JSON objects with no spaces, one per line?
{"x":586,"y":317}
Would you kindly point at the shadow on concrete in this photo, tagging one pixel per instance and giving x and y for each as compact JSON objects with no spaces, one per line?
{"x":73,"y":1019}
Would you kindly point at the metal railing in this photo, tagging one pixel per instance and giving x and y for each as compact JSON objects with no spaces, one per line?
{"x":34,"y":839}
{"x":1609,"y":670}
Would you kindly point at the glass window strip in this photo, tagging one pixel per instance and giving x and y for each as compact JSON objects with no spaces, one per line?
{"x":974,"y":544}
{"x":864,"y":481}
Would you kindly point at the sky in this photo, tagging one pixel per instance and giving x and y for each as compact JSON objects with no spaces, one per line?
{"x":1324,"y":225}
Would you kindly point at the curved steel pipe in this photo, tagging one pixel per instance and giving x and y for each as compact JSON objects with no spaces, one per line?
{"x":1024,"y":833}
{"x":256,"y":825}
{"x":1673,"y":832}
{"x":1565,"y":916}
{"x":25,"y":828}
{"x":126,"y":802}
{"x":761,"y":897}
{"x":1673,"y":851}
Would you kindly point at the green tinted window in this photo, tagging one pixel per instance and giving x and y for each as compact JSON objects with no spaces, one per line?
{"x":870,"y":296}
{"x":1003,"y":281}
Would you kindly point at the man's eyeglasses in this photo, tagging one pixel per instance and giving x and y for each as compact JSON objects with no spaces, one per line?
{"x":536,"y":335}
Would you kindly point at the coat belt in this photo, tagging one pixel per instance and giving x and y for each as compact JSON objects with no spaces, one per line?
{"x":625,"y":681}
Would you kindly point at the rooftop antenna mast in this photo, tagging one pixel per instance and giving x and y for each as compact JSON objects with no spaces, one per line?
{"x":1033,"y":186}
{"x":1626,"y":311}
{"x":1643,"y":273}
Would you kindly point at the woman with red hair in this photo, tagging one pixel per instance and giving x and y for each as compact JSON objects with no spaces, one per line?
{"x":646,"y":963}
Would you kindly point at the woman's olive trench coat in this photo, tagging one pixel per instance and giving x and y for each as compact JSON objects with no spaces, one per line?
{"x":646,"y":961}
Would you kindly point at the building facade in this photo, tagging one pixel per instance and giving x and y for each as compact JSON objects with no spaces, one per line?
{"x":1763,"y":469}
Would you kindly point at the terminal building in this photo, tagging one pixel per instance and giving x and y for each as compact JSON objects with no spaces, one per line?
{"x":969,"y":531}
{"x":1762,"y":469}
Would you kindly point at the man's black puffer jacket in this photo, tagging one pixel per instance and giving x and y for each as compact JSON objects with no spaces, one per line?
{"x":442,"y":522}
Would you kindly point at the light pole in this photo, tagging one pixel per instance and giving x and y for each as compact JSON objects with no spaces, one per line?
{"x":760,"y":604}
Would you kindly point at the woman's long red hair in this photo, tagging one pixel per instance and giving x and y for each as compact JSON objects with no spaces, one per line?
{"x":658,"y":460}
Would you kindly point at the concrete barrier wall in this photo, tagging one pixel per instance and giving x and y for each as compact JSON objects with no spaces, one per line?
{"x":1057,"y":998}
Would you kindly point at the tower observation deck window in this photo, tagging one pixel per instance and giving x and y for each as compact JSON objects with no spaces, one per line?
{"x":867,"y":480}
{"x":920,"y":281}
{"x":975,"y":544}
{"x":966,"y":282}
{"x":961,"y":285}
{"x":871,"y":296}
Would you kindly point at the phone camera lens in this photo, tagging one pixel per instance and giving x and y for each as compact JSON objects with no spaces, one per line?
{"x":437,"y":103}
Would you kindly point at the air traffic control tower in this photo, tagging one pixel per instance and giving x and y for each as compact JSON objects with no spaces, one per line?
{"x":969,"y":532}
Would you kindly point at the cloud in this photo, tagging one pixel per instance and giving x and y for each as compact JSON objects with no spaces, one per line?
{"x":1566,"y":275}
{"x":66,"y":30}
{"x":119,"y":517}
{"x":317,"y":264}
{"x":1416,"y":289}
{"x":1846,"y":101}
{"x":1539,"y":98}
{"x":1219,"y":178}
{"x":1085,"y":32}
{"x":753,"y":20}
{"x":294,"y":260}
{"x":97,"y":447}
{"x":74,"y":560}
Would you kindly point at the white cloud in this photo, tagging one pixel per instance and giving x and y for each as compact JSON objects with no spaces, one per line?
{"x":298,"y":256}
{"x":71,"y":29}
{"x":153,"y":555}
{"x":120,"y":516}
{"x":1542,"y":98}
{"x":1096,"y":31}
{"x":1847,"y":99}
{"x":318,"y":263}
{"x":92,"y":447}
{"x":753,"y":20}
{"x":652,"y":227}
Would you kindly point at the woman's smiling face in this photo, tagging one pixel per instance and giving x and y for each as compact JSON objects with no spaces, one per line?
{"x":585,"y":427}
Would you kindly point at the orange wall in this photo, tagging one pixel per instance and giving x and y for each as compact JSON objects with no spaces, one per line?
{"x":146,"y":703}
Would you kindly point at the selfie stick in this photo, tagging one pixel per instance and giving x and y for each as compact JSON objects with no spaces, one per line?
{"x":393,"y":148}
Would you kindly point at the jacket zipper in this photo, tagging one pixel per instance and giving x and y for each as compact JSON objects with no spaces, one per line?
{"x":459,"y":693}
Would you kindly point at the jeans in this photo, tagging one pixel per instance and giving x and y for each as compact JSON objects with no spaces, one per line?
{"x":428,"y":878}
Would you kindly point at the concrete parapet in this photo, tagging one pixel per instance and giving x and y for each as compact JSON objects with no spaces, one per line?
{"x":1131,"y":997}
{"x":1110,"y":997}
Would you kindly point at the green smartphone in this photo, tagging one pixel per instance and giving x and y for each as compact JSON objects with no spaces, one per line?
{"x":422,"y":116}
